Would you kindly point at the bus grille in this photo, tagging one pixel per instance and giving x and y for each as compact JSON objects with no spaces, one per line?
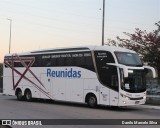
{"x":140,"y":98}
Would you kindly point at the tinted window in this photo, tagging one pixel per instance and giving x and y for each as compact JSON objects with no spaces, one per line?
{"x":18,"y":64}
{"x":135,"y":83}
{"x":107,"y":74}
{"x":78,"y":59}
{"x":130,"y":59}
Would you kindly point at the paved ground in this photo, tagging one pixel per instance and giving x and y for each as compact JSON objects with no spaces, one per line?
{"x":10,"y":108}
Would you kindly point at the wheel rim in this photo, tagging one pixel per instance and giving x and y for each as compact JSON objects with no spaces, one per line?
{"x":28,"y":96}
{"x":92,"y":101}
{"x":19,"y":95}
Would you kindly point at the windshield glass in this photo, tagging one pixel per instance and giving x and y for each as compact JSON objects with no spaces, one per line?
{"x":129,"y":59}
{"x":135,"y":83}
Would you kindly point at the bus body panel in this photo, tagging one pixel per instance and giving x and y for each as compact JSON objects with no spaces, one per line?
{"x":104,"y":95}
{"x":71,"y":82}
{"x":114,"y":97}
{"x":74,"y":90}
{"x":8,"y":88}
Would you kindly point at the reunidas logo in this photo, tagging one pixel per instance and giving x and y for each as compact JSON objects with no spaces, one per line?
{"x":70,"y":73}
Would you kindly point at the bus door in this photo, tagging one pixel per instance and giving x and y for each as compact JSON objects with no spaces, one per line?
{"x":109,"y":89}
{"x":114,"y":86}
{"x":108,"y":77}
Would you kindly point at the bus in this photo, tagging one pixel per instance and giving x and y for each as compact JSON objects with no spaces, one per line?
{"x":96,"y":75}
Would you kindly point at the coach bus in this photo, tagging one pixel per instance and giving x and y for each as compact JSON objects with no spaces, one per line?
{"x":96,"y":75}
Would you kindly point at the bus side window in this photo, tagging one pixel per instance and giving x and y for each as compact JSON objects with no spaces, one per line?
{"x":53,"y":62}
{"x":89,"y":63}
{"x":38,"y":61}
{"x":18,"y":64}
{"x":60,"y":61}
{"x":68,"y":61}
{"x":80,"y":62}
{"x":46,"y":62}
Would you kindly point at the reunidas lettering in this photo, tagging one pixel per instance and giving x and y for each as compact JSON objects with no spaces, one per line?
{"x":65,"y":73}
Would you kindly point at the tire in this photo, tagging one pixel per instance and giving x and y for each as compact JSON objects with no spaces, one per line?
{"x":28,"y":95}
{"x":92,"y":101}
{"x":19,"y":95}
{"x":158,"y":93}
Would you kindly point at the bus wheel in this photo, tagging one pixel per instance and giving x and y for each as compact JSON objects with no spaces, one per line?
{"x":28,"y":95}
{"x":92,"y":101}
{"x":19,"y":95}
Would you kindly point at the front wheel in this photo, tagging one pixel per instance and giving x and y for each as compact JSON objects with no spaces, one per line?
{"x":28,"y":95}
{"x":92,"y":101}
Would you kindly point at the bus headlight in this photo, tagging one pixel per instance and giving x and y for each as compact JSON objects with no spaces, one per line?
{"x":127,"y":98}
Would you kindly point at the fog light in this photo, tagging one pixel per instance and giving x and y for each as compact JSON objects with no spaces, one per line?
{"x":124,"y":102}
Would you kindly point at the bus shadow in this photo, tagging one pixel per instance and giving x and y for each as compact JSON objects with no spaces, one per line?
{"x":99,"y":107}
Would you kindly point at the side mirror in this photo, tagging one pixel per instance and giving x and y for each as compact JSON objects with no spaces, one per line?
{"x":154,"y":73}
{"x":125,"y":69}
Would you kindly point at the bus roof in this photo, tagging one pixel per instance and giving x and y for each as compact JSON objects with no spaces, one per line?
{"x":73,"y":49}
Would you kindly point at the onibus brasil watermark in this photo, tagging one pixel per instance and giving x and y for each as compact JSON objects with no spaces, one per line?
{"x":21,"y":122}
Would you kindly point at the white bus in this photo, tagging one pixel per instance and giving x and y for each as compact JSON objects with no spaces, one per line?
{"x":96,"y":75}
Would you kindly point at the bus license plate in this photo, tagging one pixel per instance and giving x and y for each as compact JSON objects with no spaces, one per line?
{"x":137,"y":102}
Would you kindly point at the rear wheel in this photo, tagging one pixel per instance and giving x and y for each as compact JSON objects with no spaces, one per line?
{"x":28,"y":95}
{"x":19,"y":95}
{"x":92,"y":101}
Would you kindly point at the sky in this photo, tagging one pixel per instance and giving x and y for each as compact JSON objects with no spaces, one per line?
{"x":42,"y":24}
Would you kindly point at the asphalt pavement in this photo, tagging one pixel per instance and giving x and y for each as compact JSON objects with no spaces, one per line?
{"x":145,"y":106}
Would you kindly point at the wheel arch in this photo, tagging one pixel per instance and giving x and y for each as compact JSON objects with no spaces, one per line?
{"x":89,"y":94}
{"x":27,"y":89}
{"x":17,"y":90}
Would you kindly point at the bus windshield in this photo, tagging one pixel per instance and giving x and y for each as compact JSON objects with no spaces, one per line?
{"x":135,"y":83}
{"x":129,"y":59}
